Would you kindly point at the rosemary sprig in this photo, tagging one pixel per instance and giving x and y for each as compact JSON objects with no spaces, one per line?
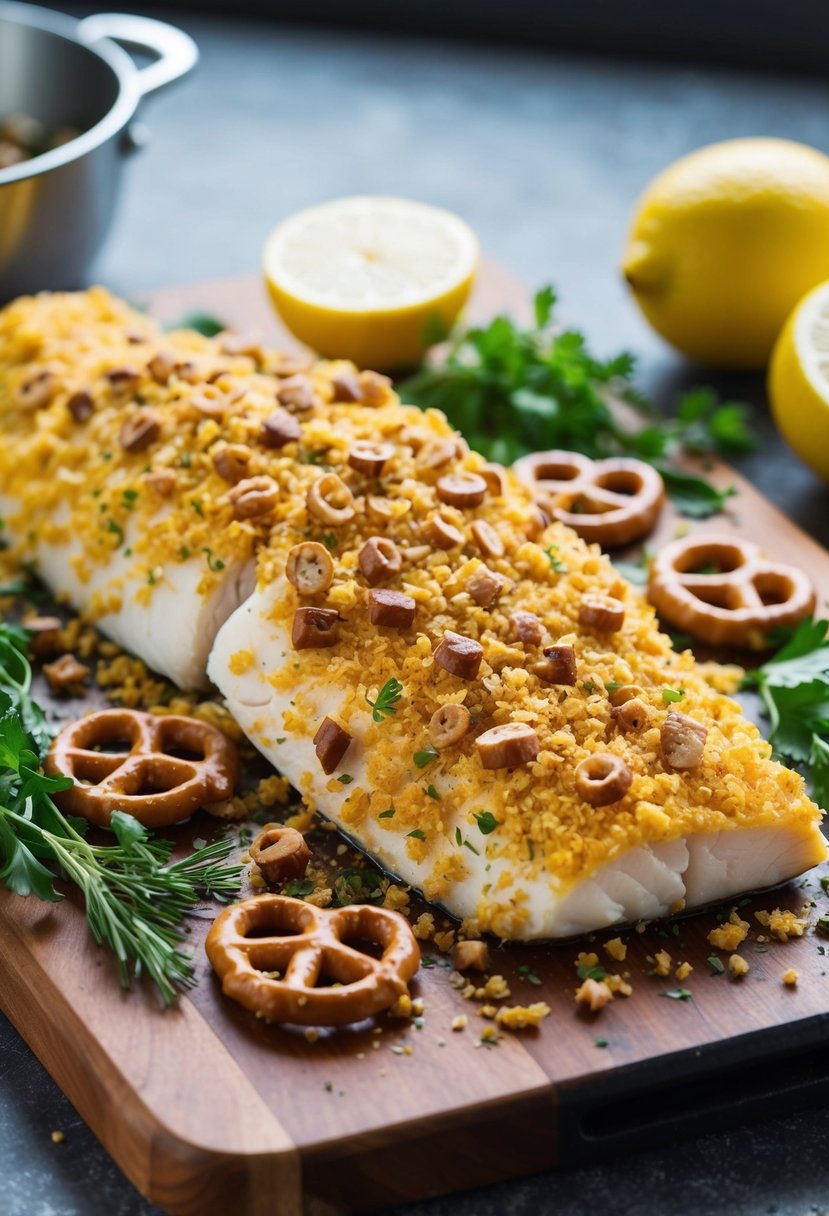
{"x":135,"y":897}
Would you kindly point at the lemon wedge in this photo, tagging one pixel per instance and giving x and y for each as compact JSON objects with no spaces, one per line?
{"x":370,"y":279}
{"x":799,"y":380}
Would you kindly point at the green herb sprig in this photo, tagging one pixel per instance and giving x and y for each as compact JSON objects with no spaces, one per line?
{"x":794,"y":687}
{"x":135,"y":897}
{"x":513,"y":390}
{"x":385,"y":705}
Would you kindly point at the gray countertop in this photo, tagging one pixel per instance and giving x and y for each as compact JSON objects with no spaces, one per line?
{"x":544,"y":154}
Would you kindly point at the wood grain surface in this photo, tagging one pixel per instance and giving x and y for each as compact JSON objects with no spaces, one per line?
{"x":211,"y":1112}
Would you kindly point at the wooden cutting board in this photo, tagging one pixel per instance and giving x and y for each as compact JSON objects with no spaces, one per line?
{"x":211,"y":1112}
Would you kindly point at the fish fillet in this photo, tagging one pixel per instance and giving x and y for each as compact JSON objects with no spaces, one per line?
{"x":516,"y":850}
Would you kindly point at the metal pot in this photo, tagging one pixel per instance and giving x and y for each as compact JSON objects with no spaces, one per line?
{"x":56,"y":209}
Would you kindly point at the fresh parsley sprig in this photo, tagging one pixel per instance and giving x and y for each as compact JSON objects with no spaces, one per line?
{"x":385,"y":705}
{"x":135,"y":897}
{"x":513,"y":390}
{"x":794,"y":687}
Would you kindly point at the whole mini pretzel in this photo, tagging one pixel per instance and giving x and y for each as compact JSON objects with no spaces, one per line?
{"x":721,"y":590}
{"x":611,"y":502}
{"x":271,"y":953}
{"x":165,"y":769}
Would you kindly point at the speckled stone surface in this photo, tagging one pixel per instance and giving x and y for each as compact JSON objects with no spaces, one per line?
{"x":544,"y":155}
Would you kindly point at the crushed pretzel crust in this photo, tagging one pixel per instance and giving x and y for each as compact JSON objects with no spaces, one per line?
{"x":132,"y":520}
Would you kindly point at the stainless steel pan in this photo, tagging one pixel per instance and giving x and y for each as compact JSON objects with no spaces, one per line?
{"x":56,"y":209}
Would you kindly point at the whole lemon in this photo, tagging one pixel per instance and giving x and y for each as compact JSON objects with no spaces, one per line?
{"x":725,"y":242}
{"x":799,"y":380}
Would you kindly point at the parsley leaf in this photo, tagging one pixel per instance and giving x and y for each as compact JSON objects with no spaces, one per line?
{"x":677,"y":994}
{"x":385,"y":705}
{"x":425,"y":757}
{"x":513,"y":390}
{"x":486,"y":822}
{"x":794,"y":687}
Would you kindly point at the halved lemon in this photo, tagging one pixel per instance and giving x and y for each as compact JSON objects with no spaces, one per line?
{"x":371,"y":279}
{"x":799,"y":380}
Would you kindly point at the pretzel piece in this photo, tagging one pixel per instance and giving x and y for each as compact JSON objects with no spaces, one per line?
{"x":280,"y":853}
{"x":158,"y":769}
{"x":251,"y":941}
{"x":612,"y":502}
{"x":721,"y":590}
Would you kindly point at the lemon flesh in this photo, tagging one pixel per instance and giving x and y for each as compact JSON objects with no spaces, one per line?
{"x":725,"y":242}
{"x":799,"y":380}
{"x":370,"y":279}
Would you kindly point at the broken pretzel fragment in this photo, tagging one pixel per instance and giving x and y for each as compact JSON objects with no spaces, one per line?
{"x":280,"y":853}
{"x":314,"y":628}
{"x":331,"y":742}
{"x":508,"y":745}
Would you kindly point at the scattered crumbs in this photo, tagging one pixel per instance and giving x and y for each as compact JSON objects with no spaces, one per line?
{"x":496,"y":988}
{"x":600,"y":1042}
{"x":376,"y":1044}
{"x":384,"y":1072}
{"x":445,"y":941}
{"x":418,"y":1006}
{"x":662,"y":963}
{"x":789,"y":979}
{"x":737,"y":965}
{"x":342,"y":849}
{"x":487,"y":1011}
{"x":617,"y":949}
{"x":519,"y":1017}
{"x":730,"y":935}
{"x":328,"y":1087}
{"x":489,"y":1037}
{"x":402,"y":1008}
{"x":361,"y":1055}
{"x":459,"y":1022}
{"x":683,"y":971}
{"x":423,"y":929}
{"x":311,"y":1035}
{"x":781,"y":924}
{"x":58,"y":1137}
{"x":441,"y":1042}
{"x":640,"y":926}
{"x":593,"y":995}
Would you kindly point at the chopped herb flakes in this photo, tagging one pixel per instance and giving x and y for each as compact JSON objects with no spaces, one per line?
{"x":298,"y":888}
{"x":677,"y":994}
{"x":526,"y":972}
{"x":486,"y":822}
{"x":555,"y":561}
{"x":417,"y":833}
{"x":716,"y":964}
{"x":671,"y":695}
{"x":425,"y":757}
{"x":432,"y":792}
{"x":389,"y":814}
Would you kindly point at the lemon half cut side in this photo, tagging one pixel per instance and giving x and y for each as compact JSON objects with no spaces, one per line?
{"x":799,"y":380}
{"x":369,"y":278}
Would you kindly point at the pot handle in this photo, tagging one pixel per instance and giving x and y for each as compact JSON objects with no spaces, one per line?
{"x":177,"y":52}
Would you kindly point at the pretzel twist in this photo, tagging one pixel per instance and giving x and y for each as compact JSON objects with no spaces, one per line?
{"x":612,"y":502}
{"x":739,"y":603}
{"x":302,"y":943}
{"x":149,"y":781}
